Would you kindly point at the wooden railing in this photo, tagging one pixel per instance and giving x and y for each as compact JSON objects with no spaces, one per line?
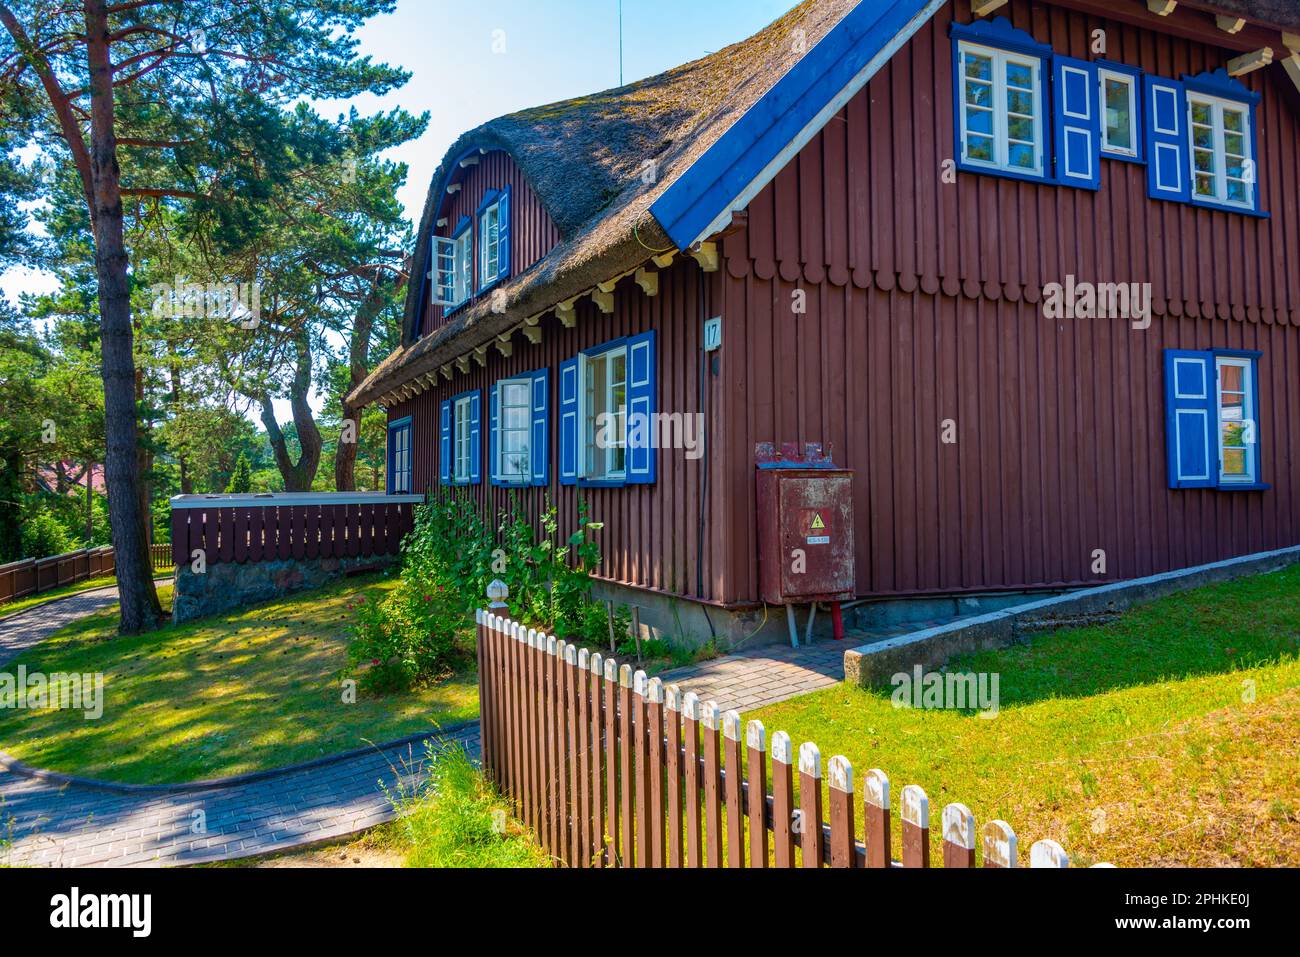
{"x":279,"y":527}
{"x":610,"y":769}
{"x":31,"y":576}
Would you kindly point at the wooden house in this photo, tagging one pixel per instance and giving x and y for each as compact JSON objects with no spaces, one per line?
{"x":1030,"y":269}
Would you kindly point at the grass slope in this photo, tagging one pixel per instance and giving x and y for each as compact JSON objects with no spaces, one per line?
{"x":243,"y":691}
{"x":1168,"y":737}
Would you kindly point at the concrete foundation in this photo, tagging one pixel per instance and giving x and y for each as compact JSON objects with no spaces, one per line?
{"x":873,"y":664}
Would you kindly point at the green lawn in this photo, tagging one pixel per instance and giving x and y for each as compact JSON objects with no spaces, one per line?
{"x":243,"y":691}
{"x":31,"y":601}
{"x":1134,"y":742}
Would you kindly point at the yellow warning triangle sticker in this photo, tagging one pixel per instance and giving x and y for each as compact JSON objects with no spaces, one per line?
{"x":817,"y":522}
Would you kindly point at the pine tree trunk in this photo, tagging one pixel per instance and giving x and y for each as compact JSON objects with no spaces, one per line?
{"x":345,"y":453}
{"x":140,"y":610}
{"x":298,"y":476}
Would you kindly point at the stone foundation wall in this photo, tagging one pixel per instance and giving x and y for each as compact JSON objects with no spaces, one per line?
{"x":225,"y":587}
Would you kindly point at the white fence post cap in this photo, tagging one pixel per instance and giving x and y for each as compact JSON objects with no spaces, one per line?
{"x":638,"y":683}
{"x":597,"y":664}
{"x":756,"y":735}
{"x":916,"y":806}
{"x":711,"y":715}
{"x":1047,"y":853}
{"x":673,"y":698}
{"x":655,"y":691}
{"x":782,"y":748}
{"x":1000,"y":845}
{"x":691,"y":705}
{"x":840,"y":773}
{"x":584,"y":659}
{"x":731,"y":725}
{"x":810,"y":759}
{"x":876,"y":784}
{"x":959,"y":826}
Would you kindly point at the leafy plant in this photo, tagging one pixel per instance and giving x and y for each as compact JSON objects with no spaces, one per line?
{"x":409,"y":637}
{"x":43,"y":535}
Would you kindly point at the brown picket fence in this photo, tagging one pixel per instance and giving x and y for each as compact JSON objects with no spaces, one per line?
{"x":611,"y":769}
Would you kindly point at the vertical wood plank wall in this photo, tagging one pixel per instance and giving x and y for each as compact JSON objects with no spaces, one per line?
{"x":650,"y":533}
{"x":924,"y":304}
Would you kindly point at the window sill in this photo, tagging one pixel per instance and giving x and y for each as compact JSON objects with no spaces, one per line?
{"x":978,"y":170}
{"x":1229,"y":208}
{"x":601,"y":483}
{"x":1123,"y":157}
{"x":1243,"y":487}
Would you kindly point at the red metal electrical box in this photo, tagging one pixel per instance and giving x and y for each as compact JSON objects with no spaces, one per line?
{"x":805,"y":534}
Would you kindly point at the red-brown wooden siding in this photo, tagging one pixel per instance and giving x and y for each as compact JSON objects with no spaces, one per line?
{"x":923,"y":305}
{"x":532,"y":233}
{"x":650,"y":533}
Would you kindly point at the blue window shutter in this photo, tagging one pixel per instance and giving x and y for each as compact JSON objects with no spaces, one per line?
{"x":1190,"y":403}
{"x":1077,"y":123}
{"x":539,"y":454}
{"x":475,"y":439}
{"x":503,"y":232}
{"x":444,"y":443}
{"x":569,"y":422}
{"x":642,"y":389}
{"x":1164,"y":115}
{"x":392,"y":455}
{"x":494,"y":425}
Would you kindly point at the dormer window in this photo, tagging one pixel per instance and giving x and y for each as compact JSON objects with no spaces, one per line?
{"x":494,"y":238}
{"x":453,"y":266}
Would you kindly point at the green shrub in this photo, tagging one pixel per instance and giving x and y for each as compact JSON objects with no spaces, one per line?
{"x":409,"y":637}
{"x":450,"y":548}
{"x":44,"y":535}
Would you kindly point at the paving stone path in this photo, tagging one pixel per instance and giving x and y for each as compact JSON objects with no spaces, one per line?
{"x":48,"y":822}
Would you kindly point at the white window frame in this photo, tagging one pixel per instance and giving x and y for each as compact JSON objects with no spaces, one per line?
{"x":1001,"y":142}
{"x":462,"y":442}
{"x":463,"y":266}
{"x":1217,"y":105}
{"x":489,"y":264}
{"x":1249,"y":418}
{"x":498,"y":471}
{"x":588,"y":448}
{"x":1129,"y":80}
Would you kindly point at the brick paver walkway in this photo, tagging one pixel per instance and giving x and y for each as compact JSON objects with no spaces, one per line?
{"x":763,"y":676}
{"x":71,"y":824}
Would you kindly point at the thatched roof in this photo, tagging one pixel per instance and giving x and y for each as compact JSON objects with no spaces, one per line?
{"x":585,"y":158}
{"x":1278,"y":13}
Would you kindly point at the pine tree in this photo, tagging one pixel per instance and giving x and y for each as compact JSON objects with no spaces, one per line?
{"x":241,"y":481}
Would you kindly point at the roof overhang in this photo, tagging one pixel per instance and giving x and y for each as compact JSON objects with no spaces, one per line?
{"x":773,"y":131}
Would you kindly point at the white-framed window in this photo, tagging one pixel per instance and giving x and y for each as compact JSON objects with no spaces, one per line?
{"x":489,"y":243}
{"x":462,"y":457}
{"x":1236,"y":420}
{"x":463,"y":270}
{"x":1001,"y":109}
{"x":603,"y":415}
{"x":1119,"y":124}
{"x":514,"y":430}
{"x":1223,"y":169}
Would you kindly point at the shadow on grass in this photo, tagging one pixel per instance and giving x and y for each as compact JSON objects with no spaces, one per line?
{"x":1214,"y":630}
{"x":243,"y":691}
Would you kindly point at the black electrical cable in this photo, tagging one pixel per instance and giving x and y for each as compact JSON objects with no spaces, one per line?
{"x":704,"y":458}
